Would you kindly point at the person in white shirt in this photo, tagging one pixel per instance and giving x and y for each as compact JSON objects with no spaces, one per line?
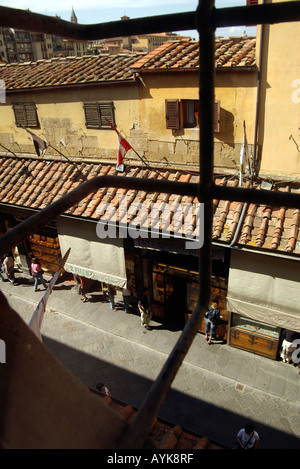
{"x":247,"y":437}
{"x":8,"y":267}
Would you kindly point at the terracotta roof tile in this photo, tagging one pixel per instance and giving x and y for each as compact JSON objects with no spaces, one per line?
{"x":69,"y":71}
{"x":177,"y":55}
{"x":162,"y":435}
{"x":32,"y":183}
{"x":233,"y":52}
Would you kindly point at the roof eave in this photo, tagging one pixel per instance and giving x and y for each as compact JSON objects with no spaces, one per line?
{"x":250,"y":68}
{"x":132,"y":81}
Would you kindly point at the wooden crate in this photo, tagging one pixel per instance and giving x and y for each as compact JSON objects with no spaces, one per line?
{"x":253,"y":342}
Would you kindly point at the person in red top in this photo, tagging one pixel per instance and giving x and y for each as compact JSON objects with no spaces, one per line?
{"x":37,"y":273}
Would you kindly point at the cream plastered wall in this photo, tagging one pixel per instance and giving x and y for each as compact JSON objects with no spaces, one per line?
{"x":280,"y":106}
{"x":62,"y":121}
{"x":140,"y":117}
{"x":237,"y":94}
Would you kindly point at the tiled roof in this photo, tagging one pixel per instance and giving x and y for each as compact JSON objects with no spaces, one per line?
{"x":161,"y":435}
{"x":36,"y":183}
{"x":68,"y":71}
{"x":232,"y":52}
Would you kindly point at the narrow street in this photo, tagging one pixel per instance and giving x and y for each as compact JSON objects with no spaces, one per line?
{"x":216,"y":391}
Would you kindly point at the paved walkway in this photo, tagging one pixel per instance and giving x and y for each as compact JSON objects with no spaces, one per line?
{"x":217,"y":389}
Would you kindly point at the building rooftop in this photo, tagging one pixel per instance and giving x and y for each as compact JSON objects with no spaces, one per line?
{"x":238,"y":53}
{"x":34,"y":183}
{"x":233,"y":52}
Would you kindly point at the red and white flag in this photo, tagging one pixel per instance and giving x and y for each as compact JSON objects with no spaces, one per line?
{"x":123,"y":147}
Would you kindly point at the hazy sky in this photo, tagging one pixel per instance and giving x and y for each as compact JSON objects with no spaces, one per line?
{"x":102,"y":11}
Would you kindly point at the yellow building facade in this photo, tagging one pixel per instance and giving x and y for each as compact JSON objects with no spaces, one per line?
{"x":279,"y":120}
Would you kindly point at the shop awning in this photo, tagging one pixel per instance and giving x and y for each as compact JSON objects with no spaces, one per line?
{"x":265,"y":288}
{"x":90,"y":256}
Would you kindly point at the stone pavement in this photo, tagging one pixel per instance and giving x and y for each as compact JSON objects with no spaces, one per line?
{"x":217,"y":389}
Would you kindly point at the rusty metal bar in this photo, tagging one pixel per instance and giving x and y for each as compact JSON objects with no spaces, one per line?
{"x":138,"y":430}
{"x":34,"y":22}
{"x":269,"y":13}
{"x":259,"y":196}
{"x":234,"y":16}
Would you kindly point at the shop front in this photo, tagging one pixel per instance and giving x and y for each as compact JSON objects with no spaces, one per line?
{"x":44,"y":245}
{"x":263,"y":298}
{"x":172,"y":276}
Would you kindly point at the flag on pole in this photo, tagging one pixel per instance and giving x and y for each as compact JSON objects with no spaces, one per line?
{"x":244,"y":159}
{"x":39,"y":144}
{"x":36,"y":320}
{"x":123,"y":148}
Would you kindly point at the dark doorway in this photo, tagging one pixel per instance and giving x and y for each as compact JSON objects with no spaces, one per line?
{"x":175,"y":308}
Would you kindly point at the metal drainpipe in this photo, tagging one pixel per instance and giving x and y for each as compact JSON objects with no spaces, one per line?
{"x":258,"y":95}
{"x":258,"y":98}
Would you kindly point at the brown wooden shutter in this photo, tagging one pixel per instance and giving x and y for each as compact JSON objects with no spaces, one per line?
{"x":31,"y":115}
{"x":25,"y":115}
{"x":20,"y":115}
{"x":106,"y":112}
{"x":172,"y":114}
{"x":252,"y":2}
{"x":217,"y":112}
{"x":92,"y":118}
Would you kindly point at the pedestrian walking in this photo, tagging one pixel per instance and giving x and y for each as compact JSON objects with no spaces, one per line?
{"x":212,"y":319}
{"x":8,"y":268}
{"x":82,"y":284}
{"x":144,"y":308}
{"x":289,"y":345}
{"x":29,"y":261}
{"x":111,"y":290}
{"x":126,"y":296}
{"x":247,"y":438}
{"x":37,"y":273}
{"x":103,"y":389}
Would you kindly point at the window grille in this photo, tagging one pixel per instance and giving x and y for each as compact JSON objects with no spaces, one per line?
{"x":206,"y":20}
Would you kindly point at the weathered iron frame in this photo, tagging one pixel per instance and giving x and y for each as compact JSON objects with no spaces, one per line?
{"x":205,"y":20}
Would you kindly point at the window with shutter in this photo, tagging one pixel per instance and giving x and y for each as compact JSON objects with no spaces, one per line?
{"x":91,"y":115}
{"x":25,"y":115}
{"x":106,"y":111}
{"x":189,"y":113}
{"x":99,"y":114}
{"x":172,"y":114}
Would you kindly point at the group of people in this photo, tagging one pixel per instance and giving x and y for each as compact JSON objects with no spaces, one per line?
{"x":143,"y":303}
{"x":143,"y":300}
{"x":35,"y":269}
